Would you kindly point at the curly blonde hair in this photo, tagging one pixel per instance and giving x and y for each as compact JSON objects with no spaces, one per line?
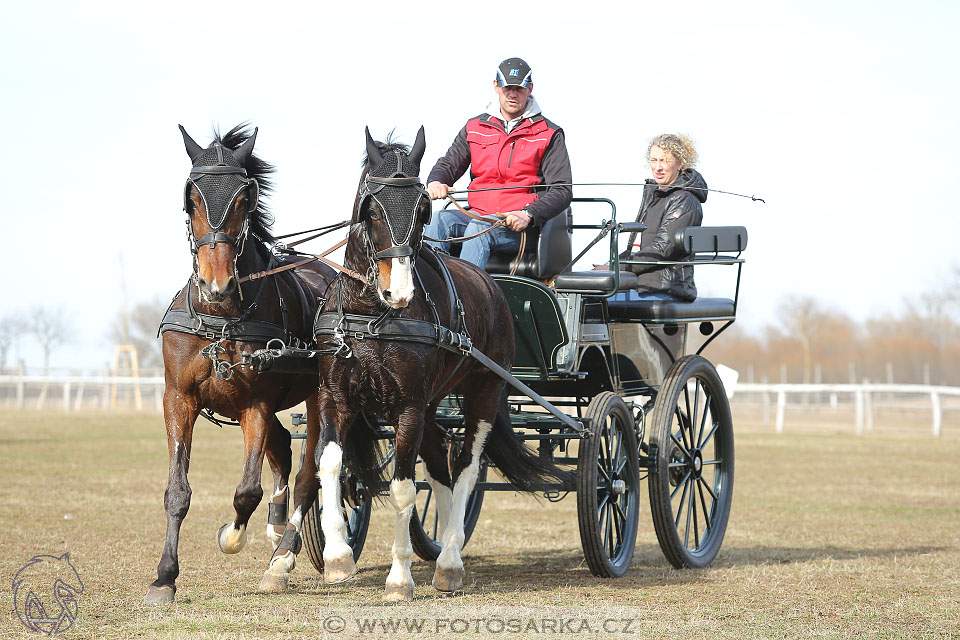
{"x":677,"y":144}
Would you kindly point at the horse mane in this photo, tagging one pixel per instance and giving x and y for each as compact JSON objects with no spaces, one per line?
{"x":261,"y":220}
{"x":384,"y":147}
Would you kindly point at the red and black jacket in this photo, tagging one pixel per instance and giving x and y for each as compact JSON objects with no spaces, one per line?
{"x":534,"y":152}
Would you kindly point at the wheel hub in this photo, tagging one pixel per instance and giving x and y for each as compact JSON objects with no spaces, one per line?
{"x":619,"y":487}
{"x":696,"y":465}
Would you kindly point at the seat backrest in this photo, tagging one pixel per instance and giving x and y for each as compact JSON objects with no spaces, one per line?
{"x":546,"y":253}
{"x":713,"y":239}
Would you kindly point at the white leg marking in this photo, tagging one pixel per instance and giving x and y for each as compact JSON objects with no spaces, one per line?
{"x":231,"y":539}
{"x":403,"y":493}
{"x":332,"y":519}
{"x":453,"y":535}
{"x":443,"y":499}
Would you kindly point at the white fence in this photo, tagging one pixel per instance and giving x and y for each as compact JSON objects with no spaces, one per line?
{"x":73,"y":392}
{"x":78,"y":392}
{"x":862,"y":396}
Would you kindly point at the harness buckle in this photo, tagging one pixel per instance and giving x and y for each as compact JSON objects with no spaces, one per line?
{"x":357,"y":335}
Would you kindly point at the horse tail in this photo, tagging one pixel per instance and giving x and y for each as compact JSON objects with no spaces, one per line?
{"x":364,"y":452}
{"x":526,"y":470}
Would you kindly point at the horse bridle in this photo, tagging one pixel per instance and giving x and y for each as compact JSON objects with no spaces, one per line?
{"x":216,"y":235}
{"x":401,"y":247}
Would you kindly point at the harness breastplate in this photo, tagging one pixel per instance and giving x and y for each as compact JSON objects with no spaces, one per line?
{"x":340,"y":324}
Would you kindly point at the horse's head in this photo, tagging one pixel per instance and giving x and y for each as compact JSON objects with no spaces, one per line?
{"x":219,"y":198}
{"x":392,"y":208}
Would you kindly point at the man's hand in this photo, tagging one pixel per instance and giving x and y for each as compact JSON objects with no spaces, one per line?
{"x":437,"y":190}
{"x":516,"y":220}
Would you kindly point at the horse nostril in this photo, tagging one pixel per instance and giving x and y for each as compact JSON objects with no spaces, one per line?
{"x":387,"y":296}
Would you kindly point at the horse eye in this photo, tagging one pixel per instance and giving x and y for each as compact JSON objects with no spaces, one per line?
{"x":375,"y":213}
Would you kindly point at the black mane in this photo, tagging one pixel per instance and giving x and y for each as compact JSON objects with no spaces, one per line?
{"x":262,"y":219}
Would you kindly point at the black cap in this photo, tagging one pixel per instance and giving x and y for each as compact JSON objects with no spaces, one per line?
{"x":515,"y":72}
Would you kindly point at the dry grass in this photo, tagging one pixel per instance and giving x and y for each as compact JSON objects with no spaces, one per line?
{"x":831,"y":535}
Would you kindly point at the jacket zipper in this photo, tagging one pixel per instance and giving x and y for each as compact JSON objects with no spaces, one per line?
{"x":512,"y":145}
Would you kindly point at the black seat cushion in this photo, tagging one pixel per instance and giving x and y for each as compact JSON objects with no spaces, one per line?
{"x":547,"y":251}
{"x":669,"y":311}
{"x":594,"y":281}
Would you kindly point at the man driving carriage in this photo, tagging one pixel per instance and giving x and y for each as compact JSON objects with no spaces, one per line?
{"x":510,"y":144}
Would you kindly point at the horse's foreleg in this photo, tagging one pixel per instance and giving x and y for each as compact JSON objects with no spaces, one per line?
{"x":434,"y":456}
{"x":179,"y":413}
{"x":284,"y":559}
{"x":279,"y":456}
{"x":449,"y":572}
{"x":232,"y":537}
{"x":403,"y":494}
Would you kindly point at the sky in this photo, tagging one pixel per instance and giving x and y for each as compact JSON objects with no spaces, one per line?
{"x":842,"y":116}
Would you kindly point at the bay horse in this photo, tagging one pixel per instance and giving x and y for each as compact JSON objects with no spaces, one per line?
{"x":215,"y":319}
{"x":380,"y":341}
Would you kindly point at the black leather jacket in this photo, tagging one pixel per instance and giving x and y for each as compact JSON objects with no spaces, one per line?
{"x":665,"y":212}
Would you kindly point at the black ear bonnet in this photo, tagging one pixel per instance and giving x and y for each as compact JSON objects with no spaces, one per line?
{"x":220,"y":178}
{"x":394,"y":183}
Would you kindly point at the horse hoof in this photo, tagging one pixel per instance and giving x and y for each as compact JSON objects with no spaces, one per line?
{"x":448,"y":579}
{"x":339,"y":570}
{"x":159,"y":595}
{"x":274,"y":582}
{"x":231,"y":540}
{"x":398,"y":593}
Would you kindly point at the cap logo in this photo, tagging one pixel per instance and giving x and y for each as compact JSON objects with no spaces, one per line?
{"x":514,"y":73}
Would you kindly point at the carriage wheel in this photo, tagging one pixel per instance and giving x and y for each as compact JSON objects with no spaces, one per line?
{"x":608,"y":485}
{"x":358,"y":520}
{"x":692,"y":485}
{"x":424,"y":530}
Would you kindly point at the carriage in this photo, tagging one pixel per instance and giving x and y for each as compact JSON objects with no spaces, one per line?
{"x":600,"y":384}
{"x":591,"y":389}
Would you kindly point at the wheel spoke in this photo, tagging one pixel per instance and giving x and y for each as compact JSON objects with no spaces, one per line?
{"x":607,"y":539}
{"x":717,"y":461}
{"x":703,"y":503}
{"x":604,"y":501}
{"x":696,"y":408}
{"x":696,"y":527}
{"x":426,"y":507}
{"x":710,"y":491}
{"x":618,"y":521}
{"x":713,"y":430}
{"x":686,"y":532}
{"x":683,"y":483}
{"x":685,"y":451}
{"x":682,"y":420}
{"x":683,"y":498}
{"x":703,"y":419}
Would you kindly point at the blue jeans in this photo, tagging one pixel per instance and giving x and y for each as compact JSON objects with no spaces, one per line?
{"x":452,"y":223}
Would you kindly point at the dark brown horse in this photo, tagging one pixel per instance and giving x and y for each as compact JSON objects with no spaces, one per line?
{"x":213,"y":321}
{"x":384,"y":357}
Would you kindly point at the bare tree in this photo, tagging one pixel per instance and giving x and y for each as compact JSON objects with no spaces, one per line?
{"x":140,"y":330}
{"x":803,"y":318}
{"x":11,"y":328}
{"x":49,"y":326}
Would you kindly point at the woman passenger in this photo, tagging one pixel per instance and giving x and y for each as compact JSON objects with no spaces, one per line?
{"x":671,"y":202}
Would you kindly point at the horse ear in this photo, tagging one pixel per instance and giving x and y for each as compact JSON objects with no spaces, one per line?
{"x":374,"y":157}
{"x":419,"y":146}
{"x":193,"y":149}
{"x":242,"y":154}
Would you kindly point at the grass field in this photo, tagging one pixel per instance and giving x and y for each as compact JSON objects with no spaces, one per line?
{"x":832,"y":535}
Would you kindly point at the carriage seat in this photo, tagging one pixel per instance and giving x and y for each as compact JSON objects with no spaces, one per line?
{"x":705,"y":244}
{"x":700,"y":310}
{"x":546,"y":253}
